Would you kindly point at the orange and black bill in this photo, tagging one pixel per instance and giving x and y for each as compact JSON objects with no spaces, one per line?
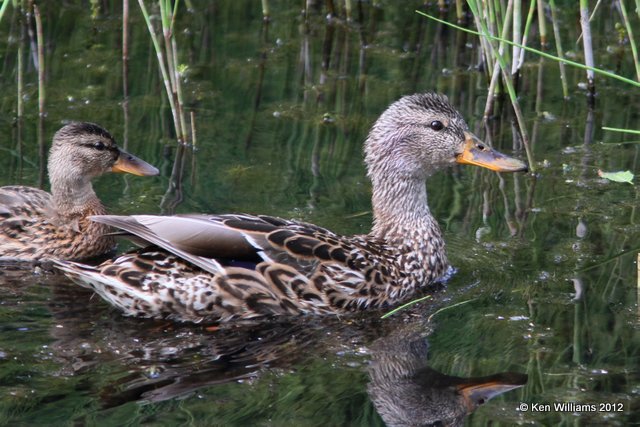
{"x":478,"y":153}
{"x":128,"y":163}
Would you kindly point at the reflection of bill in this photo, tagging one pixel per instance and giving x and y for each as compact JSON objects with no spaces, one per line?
{"x":405,"y":391}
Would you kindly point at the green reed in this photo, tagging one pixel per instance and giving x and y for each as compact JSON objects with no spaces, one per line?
{"x":587,"y":44}
{"x":539,"y":52}
{"x":125,"y":73}
{"x":3,"y":8}
{"x":542,"y":23}
{"x":517,"y":35}
{"x":20,"y":65}
{"x":492,"y":20}
{"x":459,"y":11}
{"x":125,"y":48}
{"x":519,"y":61}
{"x":632,"y":43}
{"x":40,"y":48}
{"x":635,"y":132}
{"x":556,"y":35}
{"x":41,"y":95}
{"x":348,"y":8}
{"x":167,"y":56}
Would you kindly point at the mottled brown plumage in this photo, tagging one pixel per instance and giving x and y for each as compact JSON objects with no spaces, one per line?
{"x":226,"y":267}
{"x":35,"y":224}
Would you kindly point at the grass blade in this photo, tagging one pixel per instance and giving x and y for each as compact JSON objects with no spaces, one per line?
{"x":536,"y":51}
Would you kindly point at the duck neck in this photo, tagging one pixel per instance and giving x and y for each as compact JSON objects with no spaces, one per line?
{"x":400,"y":210}
{"x":402,"y":219}
{"x":74,"y":196}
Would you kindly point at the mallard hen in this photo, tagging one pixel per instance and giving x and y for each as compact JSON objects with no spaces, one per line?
{"x":224,"y":267}
{"x":35,"y":224}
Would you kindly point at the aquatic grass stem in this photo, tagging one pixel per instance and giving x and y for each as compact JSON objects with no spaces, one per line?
{"x":175,"y":67}
{"x":632,"y":43}
{"x":40,"y":43}
{"x":194,"y":147}
{"x":593,"y":13}
{"x":458,"y":304}
{"x":41,"y":96}
{"x":484,"y":43}
{"x":506,"y":79}
{"x":403,"y":306}
{"x":125,"y":48}
{"x":587,"y":44}
{"x":542,"y":23}
{"x":495,"y":74}
{"x":460,"y":11}
{"x":20,"y":106}
{"x":159,"y":55}
{"x":537,"y":52}
{"x":178,"y":91}
{"x":496,"y":19}
{"x":516,"y":35}
{"x":492,"y":25}
{"x":169,"y":78}
{"x":168,"y":15}
{"x":525,"y":35}
{"x":3,"y":8}
{"x":633,"y":131}
{"x":556,"y":35}
{"x":167,"y":26}
{"x":125,"y":72}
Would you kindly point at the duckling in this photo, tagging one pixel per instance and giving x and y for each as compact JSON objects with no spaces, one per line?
{"x":35,"y":224}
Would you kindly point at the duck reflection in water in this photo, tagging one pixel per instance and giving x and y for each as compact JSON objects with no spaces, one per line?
{"x":406,"y":392}
{"x":158,"y":362}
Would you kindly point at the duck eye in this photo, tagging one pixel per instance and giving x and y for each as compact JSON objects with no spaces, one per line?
{"x":436,"y":125}
{"x":99,"y":145}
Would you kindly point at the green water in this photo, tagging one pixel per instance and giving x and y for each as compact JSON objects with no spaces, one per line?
{"x":281,"y":112}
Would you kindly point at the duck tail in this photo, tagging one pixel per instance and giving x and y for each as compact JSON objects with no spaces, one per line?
{"x":132,"y":301}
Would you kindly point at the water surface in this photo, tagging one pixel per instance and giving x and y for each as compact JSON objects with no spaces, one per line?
{"x":546,"y":261}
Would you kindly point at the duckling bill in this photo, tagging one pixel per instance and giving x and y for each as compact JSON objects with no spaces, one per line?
{"x":35,"y":224}
{"x":219,"y":268}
